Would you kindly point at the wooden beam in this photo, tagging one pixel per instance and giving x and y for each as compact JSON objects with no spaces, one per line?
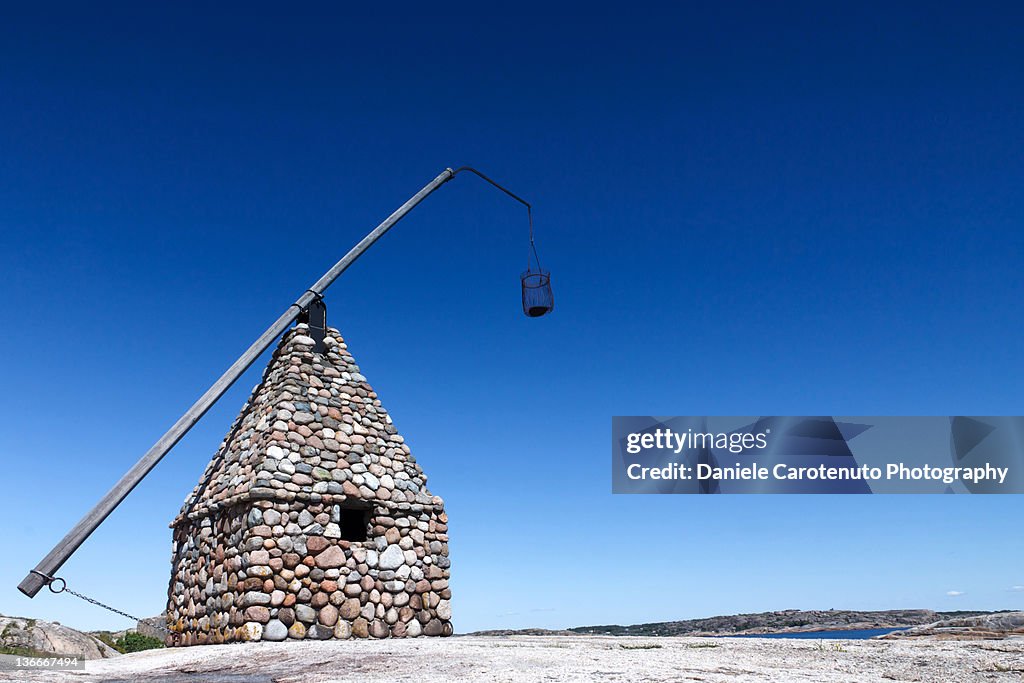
{"x":53,"y":561}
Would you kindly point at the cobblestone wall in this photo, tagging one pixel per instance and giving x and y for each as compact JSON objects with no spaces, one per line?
{"x":313,"y":520}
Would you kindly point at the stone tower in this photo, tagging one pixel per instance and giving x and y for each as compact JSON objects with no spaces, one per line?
{"x":313,"y":520}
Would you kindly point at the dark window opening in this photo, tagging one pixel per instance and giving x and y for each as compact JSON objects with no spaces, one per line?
{"x":354,"y":524}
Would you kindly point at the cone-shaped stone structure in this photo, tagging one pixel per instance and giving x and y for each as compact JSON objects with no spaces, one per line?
{"x":313,"y":520}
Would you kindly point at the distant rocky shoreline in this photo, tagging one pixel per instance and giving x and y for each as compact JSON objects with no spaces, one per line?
{"x":920,"y":622}
{"x":995,"y":625}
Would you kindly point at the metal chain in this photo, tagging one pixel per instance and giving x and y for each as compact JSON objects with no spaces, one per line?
{"x":50,"y":580}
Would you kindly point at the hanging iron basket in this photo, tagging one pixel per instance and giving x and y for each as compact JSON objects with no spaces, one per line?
{"x":538,"y":299}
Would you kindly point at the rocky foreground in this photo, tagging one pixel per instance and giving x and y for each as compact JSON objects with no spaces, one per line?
{"x":554,"y":658}
{"x":39,"y":637}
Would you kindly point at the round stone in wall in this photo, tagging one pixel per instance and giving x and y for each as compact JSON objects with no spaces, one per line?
{"x":391,"y":558}
{"x":275,"y":630}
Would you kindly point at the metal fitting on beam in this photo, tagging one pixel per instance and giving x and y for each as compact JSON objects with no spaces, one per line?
{"x":315,"y":316}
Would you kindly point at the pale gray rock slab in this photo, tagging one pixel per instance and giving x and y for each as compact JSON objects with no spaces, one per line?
{"x":524,"y":659}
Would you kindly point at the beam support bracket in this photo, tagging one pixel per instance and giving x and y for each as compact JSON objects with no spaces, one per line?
{"x":315,"y":315}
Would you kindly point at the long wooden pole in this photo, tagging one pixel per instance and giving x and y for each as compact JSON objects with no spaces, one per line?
{"x":37,"y":578}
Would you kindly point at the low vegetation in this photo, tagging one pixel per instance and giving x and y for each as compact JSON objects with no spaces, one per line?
{"x":829,"y":647}
{"x":129,"y":642}
{"x":23,"y":652}
{"x":106,"y":638}
{"x":136,"y":642}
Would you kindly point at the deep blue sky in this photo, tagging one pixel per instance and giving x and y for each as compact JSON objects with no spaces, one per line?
{"x":800,"y":209}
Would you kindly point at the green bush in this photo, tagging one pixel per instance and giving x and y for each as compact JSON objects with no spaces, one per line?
{"x":106,"y":638}
{"x":136,"y":642}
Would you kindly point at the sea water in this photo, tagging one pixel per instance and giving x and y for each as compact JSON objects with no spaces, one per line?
{"x":853,"y":634}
